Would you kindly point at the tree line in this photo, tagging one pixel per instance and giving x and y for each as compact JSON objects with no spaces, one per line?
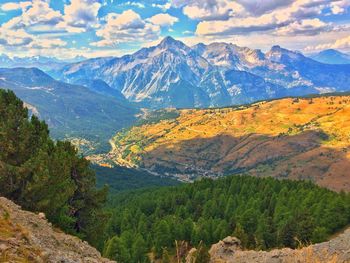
{"x":263,"y":213}
{"x":48,"y":176}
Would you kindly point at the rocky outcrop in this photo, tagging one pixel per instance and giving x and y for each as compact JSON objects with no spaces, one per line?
{"x":336,"y":250}
{"x":28,"y":237}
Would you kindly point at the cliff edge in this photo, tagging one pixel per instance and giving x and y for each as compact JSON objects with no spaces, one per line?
{"x":29,"y":237}
{"x":337,"y":250}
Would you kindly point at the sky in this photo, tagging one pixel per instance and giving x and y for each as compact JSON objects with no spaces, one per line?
{"x":94,"y":28}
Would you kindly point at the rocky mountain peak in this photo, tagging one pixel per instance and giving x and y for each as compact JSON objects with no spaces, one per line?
{"x":169,"y":42}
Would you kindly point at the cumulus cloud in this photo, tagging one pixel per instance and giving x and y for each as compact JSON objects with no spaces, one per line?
{"x":339,"y":7}
{"x":297,"y":17}
{"x":80,"y":15}
{"x":125,"y":27}
{"x":136,"y":4}
{"x":260,"y":7}
{"x":38,"y":13}
{"x":309,"y":27}
{"x":15,"y":6}
{"x":208,"y":9}
{"x":164,"y":7}
{"x":163,"y":20}
{"x":14,"y":37}
{"x":47,"y":43}
{"x":35,"y":28}
{"x":342,"y":43}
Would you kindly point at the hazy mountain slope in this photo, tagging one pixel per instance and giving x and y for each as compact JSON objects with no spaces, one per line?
{"x":43,"y":63}
{"x":331,"y":56}
{"x":172,"y":74}
{"x":69,"y":110}
{"x":287,"y":138}
{"x":27,"y":237}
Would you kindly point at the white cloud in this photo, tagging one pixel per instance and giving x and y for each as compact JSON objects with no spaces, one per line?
{"x":260,"y":7}
{"x":163,"y":7}
{"x":304,"y":27}
{"x":341,"y":43}
{"x":136,"y":4}
{"x":296,"y":16}
{"x":80,"y":15}
{"x":339,"y":7}
{"x":125,"y":27}
{"x":15,"y":6}
{"x":47,"y":43}
{"x":38,"y":13}
{"x":14,"y":37}
{"x":163,"y":20}
{"x":208,"y":9}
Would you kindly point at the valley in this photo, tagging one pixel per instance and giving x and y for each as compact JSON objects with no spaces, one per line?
{"x":71,"y":111}
{"x":294,"y":138}
{"x":174,"y":131}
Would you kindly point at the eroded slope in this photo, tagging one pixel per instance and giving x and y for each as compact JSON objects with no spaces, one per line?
{"x":27,"y":237}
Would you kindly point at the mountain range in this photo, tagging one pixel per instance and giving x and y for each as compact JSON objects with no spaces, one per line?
{"x":331,"y":56}
{"x":172,"y":74}
{"x":41,"y":62}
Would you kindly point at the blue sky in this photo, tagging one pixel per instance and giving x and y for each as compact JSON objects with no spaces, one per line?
{"x":67,"y":28}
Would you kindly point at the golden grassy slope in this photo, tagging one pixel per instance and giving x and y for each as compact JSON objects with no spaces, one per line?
{"x":295,"y":138}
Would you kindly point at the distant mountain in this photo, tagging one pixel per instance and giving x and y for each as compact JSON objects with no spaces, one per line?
{"x":41,"y":62}
{"x":172,"y":74}
{"x":331,"y":56}
{"x":69,"y":110}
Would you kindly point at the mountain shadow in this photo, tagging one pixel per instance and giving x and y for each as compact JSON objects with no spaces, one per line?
{"x":303,"y":156}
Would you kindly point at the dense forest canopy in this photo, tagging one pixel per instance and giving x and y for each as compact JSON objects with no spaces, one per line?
{"x":263,"y":212}
{"x":120,"y":179}
{"x":43,"y":175}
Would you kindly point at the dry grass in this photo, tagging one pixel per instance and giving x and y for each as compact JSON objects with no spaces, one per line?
{"x":179,"y":141}
{"x":19,"y":250}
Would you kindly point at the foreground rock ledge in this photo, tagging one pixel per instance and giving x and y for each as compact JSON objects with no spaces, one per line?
{"x":27,"y":237}
{"x":336,"y":250}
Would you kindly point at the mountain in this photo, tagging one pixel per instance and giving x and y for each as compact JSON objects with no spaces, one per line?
{"x":41,"y":62}
{"x":172,"y":74}
{"x":332,"y":56}
{"x":295,"y":138}
{"x":69,"y":110}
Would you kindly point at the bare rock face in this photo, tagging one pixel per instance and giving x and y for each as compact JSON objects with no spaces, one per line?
{"x":336,"y":250}
{"x":27,"y":237}
{"x":227,"y":246}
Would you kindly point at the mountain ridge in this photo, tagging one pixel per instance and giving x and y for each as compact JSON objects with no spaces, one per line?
{"x":332,"y":56}
{"x":172,"y":74}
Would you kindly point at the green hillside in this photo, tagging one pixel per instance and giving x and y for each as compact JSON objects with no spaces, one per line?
{"x":263,"y":213}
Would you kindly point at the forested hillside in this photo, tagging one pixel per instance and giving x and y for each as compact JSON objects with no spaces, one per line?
{"x":47,"y":176}
{"x":262,"y":213}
